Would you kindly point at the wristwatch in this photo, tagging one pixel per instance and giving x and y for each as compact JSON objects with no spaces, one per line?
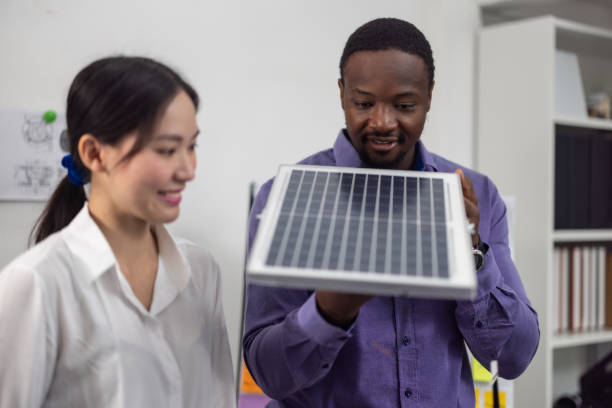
{"x":479,"y":251}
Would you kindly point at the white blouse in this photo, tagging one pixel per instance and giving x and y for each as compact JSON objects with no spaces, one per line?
{"x":73,"y":334}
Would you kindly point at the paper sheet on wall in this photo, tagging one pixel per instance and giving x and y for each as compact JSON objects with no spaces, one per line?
{"x":30,"y":166}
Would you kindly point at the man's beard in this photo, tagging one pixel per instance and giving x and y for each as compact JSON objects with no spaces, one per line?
{"x":381,"y":163}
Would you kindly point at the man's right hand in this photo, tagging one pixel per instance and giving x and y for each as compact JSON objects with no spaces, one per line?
{"x":338,"y":308}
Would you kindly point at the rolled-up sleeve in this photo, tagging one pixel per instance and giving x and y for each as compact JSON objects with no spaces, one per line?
{"x":499,"y":324}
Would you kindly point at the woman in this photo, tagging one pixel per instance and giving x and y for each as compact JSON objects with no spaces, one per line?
{"x":108,"y":309}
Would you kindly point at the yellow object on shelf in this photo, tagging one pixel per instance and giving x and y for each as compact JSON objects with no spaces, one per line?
{"x":479,"y":373}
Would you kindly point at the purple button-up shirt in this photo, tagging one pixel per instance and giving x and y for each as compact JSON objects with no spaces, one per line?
{"x":400,"y":351}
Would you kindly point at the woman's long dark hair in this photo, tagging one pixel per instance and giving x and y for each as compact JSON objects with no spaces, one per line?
{"x":109,"y":98}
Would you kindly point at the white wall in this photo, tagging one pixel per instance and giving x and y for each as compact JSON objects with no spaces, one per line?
{"x":266,"y":71}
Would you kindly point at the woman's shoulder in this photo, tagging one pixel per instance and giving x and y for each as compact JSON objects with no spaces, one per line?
{"x":46,"y":263}
{"x":41,"y":256}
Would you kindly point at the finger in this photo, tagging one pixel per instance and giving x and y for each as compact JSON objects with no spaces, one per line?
{"x":464,"y":182}
{"x":467,"y":186}
{"x":471,"y":211}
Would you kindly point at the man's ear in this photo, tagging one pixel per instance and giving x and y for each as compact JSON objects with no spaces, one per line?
{"x":341,"y":86}
{"x":430,"y":94}
{"x":90,"y":152}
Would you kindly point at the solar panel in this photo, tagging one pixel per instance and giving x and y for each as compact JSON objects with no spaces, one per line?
{"x":371,"y":231}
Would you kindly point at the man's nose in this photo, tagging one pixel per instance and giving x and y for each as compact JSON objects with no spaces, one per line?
{"x":383,"y":119}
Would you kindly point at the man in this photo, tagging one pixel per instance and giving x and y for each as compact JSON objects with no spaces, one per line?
{"x":325,"y":349}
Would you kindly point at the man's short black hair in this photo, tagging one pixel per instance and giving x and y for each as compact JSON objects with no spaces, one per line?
{"x":386,"y":34}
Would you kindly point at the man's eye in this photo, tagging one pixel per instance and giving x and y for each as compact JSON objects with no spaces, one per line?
{"x":406,"y":106}
{"x":193,"y":147}
{"x":363,"y":105}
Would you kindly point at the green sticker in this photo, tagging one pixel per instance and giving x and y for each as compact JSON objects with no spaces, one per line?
{"x":49,"y":116}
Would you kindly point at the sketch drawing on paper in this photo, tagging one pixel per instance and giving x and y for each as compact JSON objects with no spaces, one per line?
{"x":30,"y":169}
{"x":35,"y":177}
{"x":37,"y":133}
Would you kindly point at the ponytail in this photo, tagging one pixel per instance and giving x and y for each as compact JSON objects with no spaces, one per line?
{"x":65,"y":203}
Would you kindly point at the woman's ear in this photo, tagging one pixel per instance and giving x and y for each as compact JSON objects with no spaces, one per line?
{"x":90,"y":152}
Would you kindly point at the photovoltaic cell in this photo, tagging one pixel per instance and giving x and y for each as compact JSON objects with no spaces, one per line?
{"x":361,"y":223}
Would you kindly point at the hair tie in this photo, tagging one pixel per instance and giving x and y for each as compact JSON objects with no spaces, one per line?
{"x":74,"y":175}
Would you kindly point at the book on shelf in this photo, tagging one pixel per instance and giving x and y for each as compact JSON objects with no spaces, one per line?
{"x":579,"y":203}
{"x":608,"y":294}
{"x":601,"y":184}
{"x":582,"y":290}
{"x":602,"y":277}
{"x":560,"y":290}
{"x":562,"y":190}
{"x":583,"y":186}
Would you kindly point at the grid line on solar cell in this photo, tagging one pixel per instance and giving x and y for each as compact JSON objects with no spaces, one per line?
{"x":343,"y":224}
{"x":441,"y":242}
{"x":305,"y":234}
{"x":280,"y":235}
{"x":332,"y":226}
{"x":389,"y":238}
{"x":315,"y":242}
{"x":356,"y":223}
{"x":369,"y":223}
{"x":373,"y":242}
{"x":402,"y":192}
{"x":419,"y":261}
{"x":302,"y":203}
{"x":309,"y":239}
{"x":434,"y":253}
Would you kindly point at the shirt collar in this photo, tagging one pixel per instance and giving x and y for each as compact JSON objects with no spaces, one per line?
{"x":346,"y":155}
{"x":344,"y":152}
{"x":87,"y":243}
{"x":171,"y":258}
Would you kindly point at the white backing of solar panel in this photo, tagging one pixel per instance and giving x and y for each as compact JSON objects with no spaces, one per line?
{"x":461,"y":282}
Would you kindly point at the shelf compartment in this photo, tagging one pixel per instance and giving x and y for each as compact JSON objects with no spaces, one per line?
{"x":583,"y":39}
{"x":581,"y":339}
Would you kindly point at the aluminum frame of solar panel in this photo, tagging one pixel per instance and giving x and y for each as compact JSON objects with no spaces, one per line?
{"x":274,"y":261}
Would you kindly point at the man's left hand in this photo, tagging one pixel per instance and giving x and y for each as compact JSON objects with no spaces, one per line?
{"x":471,"y":204}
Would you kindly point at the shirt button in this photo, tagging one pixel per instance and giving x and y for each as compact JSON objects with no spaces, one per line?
{"x":479,"y":324}
{"x":405,"y":341}
{"x":407,"y":392}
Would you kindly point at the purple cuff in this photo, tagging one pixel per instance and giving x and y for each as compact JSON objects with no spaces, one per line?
{"x":317,"y":328}
{"x":488,"y":277}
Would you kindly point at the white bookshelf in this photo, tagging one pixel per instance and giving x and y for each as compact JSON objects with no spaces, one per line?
{"x":515,"y":148}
